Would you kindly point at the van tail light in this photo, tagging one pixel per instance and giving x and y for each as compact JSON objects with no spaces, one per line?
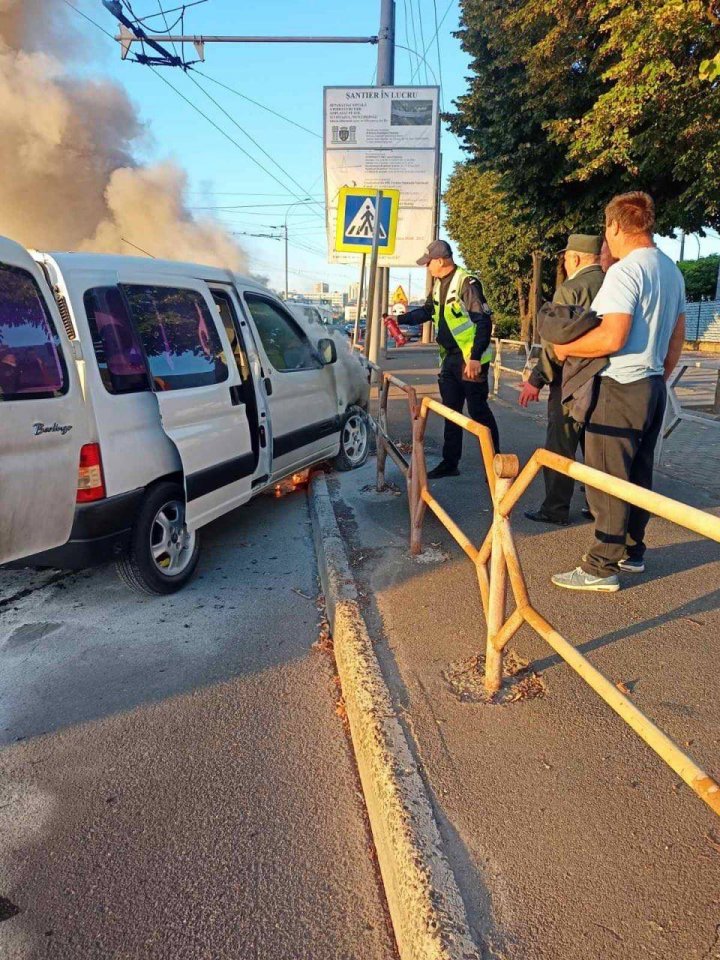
{"x":90,"y":484}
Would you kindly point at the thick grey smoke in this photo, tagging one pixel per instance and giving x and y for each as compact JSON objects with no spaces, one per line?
{"x":67,"y":144}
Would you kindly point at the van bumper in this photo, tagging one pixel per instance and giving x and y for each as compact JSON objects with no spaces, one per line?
{"x":101,"y":531}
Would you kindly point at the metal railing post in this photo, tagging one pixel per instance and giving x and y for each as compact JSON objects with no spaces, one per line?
{"x":417,"y":482}
{"x":506,"y":469}
{"x":497,"y":366}
{"x":382,"y":431}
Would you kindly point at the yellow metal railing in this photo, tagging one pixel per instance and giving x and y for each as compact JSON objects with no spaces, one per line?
{"x":497,"y":565}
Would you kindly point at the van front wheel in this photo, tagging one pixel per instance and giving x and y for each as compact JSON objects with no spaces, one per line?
{"x":163,"y":553}
{"x":354,"y":440}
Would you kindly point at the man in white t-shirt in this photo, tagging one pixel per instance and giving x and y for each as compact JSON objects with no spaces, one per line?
{"x":642,"y":330}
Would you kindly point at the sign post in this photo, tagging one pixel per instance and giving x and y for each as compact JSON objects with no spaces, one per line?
{"x":372,"y":327}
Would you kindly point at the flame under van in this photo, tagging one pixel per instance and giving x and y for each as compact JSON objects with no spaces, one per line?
{"x":141,"y":399}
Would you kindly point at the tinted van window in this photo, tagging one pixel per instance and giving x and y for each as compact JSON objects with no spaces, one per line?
{"x":31,"y":361}
{"x":285,"y":344}
{"x":116,"y":344}
{"x":178,"y":335}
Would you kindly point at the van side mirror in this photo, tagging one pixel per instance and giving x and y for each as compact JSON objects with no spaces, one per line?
{"x":327,"y":350}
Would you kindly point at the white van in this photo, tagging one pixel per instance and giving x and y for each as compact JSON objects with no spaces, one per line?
{"x":141,"y":399}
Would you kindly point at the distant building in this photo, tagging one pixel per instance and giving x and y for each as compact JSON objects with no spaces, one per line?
{"x":320,"y":288}
{"x":338,"y":300}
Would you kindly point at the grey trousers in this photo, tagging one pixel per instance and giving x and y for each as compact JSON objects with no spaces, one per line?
{"x":620,"y":439}
{"x":563,"y":436}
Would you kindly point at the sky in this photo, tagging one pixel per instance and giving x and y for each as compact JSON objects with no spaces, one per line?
{"x":288,"y":79}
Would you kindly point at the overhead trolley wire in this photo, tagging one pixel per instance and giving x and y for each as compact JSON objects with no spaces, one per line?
{"x":257,"y":103}
{"x":432,"y":40}
{"x":224,"y":133}
{"x":249,"y":136}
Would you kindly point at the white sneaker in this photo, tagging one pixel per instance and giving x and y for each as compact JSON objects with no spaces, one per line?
{"x":577,"y":579}
{"x":631,"y":566}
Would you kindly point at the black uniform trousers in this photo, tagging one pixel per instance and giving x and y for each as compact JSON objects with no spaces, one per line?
{"x":563,"y":436}
{"x":454,"y":393}
{"x":620,"y":439}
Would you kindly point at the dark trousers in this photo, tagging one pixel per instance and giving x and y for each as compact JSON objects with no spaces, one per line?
{"x":454,"y":393}
{"x":620,"y":439}
{"x":563,"y":436}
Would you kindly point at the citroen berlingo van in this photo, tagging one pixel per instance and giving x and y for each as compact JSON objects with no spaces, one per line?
{"x":141,"y":399}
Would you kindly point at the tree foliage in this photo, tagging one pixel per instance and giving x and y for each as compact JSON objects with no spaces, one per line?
{"x":701,"y":276}
{"x":568,"y":104}
{"x":491,"y":243}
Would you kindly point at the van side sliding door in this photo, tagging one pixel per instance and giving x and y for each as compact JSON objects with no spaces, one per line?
{"x":198,"y":392}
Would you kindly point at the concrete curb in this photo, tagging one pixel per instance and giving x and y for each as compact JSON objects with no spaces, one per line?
{"x":426,"y":908}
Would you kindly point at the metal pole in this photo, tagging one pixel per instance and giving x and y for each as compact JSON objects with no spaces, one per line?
{"x":386,"y":44}
{"x":372,"y":332}
{"x":361,"y":293}
{"x":385,"y":77}
{"x":385,"y":277}
{"x":427,"y":328}
{"x":286,"y":259}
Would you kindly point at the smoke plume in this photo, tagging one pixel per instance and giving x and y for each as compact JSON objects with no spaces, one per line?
{"x":67,"y":147}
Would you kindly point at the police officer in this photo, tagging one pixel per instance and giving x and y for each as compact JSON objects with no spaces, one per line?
{"x":463,"y":328}
{"x":585,"y":275}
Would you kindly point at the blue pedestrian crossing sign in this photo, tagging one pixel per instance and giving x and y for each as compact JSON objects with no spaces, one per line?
{"x":357,"y":210}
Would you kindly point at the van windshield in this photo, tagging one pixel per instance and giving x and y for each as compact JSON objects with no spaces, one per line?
{"x":31,"y":362}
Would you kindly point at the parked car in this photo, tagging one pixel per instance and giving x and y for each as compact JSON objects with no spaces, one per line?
{"x":141,"y":399}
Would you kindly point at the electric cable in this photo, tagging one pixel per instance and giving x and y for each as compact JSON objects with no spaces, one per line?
{"x":223,"y":132}
{"x":422,"y":35}
{"x":89,"y":19}
{"x":256,"y":103}
{"x":251,"y":138}
{"x":439,"y":57}
{"x":442,"y":21}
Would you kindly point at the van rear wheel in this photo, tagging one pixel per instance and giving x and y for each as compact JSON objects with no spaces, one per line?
{"x":163,"y":553}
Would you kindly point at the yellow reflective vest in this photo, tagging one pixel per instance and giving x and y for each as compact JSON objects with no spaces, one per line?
{"x":457,"y":317}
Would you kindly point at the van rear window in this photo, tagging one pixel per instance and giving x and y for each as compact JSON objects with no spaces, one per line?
{"x":116,"y":344}
{"x":31,"y":361}
{"x":178,"y":335}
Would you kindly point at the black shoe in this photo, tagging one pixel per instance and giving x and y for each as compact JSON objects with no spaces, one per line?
{"x":539,"y":516}
{"x":587,"y":513}
{"x":443,"y":469}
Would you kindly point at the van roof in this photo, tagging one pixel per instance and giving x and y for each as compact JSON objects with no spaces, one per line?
{"x":69,"y":263}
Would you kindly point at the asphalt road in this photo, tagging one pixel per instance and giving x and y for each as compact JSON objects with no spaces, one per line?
{"x":174,"y":779}
{"x":571,"y":839}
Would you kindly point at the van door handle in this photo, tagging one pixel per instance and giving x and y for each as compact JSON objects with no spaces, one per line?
{"x":236,"y":394}
{"x":268,"y":386}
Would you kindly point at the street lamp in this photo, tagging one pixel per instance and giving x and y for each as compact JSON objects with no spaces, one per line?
{"x":287,"y":214}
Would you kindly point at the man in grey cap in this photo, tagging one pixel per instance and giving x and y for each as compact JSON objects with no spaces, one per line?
{"x":463,"y":329}
{"x":584,"y":279}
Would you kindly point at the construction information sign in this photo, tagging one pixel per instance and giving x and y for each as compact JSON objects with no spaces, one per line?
{"x":385,"y":138}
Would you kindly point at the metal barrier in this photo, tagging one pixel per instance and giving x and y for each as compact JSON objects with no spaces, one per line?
{"x":497,"y":563}
{"x":675,"y":413}
{"x":531,"y":353}
{"x":385,"y":444}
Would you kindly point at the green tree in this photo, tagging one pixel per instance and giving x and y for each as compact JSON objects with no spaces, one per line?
{"x":493,"y":239}
{"x":656,"y":123}
{"x":571,"y":103}
{"x":701,"y":276}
